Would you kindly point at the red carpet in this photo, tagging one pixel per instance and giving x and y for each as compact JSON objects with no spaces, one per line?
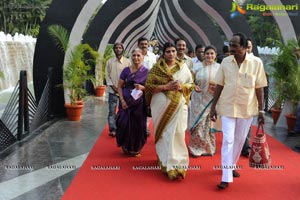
{"x":124,"y":182}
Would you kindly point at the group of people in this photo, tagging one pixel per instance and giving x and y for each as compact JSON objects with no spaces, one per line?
{"x":185,"y":94}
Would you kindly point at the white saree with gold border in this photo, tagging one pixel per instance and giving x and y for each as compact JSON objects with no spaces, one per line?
{"x":171,"y":148}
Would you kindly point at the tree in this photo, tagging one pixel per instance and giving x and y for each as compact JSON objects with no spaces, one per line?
{"x":261,"y":26}
{"x":22,"y":16}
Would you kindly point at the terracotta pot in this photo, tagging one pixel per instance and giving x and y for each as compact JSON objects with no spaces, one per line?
{"x":79,"y":102}
{"x":291,"y":121}
{"x":99,"y":90}
{"x":73,"y":111}
{"x":275,"y":114}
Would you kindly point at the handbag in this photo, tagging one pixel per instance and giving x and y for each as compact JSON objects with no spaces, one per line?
{"x":260,"y":155}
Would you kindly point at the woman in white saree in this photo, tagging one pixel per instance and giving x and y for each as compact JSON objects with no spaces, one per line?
{"x":203,"y":140}
{"x":167,"y":91}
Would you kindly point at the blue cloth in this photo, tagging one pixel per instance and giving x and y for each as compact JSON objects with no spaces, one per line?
{"x":112,"y":105}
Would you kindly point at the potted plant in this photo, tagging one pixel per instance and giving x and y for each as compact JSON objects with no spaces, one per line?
{"x":293,"y":95}
{"x":286,"y":75}
{"x":75,"y":73}
{"x":100,"y":85}
{"x":277,"y":107}
{"x":280,"y":67}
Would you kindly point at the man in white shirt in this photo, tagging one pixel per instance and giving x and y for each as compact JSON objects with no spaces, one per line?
{"x":114,"y":67}
{"x":181,"y":50}
{"x":149,"y":61}
{"x":149,"y":57}
{"x":249,"y":46}
{"x":199,"y":52}
{"x":240,"y":96}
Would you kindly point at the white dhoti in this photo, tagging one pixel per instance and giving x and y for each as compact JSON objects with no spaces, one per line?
{"x":235,"y":131}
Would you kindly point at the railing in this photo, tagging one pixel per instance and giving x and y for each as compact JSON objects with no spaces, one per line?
{"x":6,"y":137}
{"x":9,"y":116}
{"x":43,"y":110}
{"x":22,"y":115}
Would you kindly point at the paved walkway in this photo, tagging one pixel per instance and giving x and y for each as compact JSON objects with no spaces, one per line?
{"x":43,"y":165}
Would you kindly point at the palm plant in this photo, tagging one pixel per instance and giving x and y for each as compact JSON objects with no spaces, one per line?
{"x":60,"y":36}
{"x":79,"y":61}
{"x":286,"y":73}
{"x":100,"y":68}
{"x":292,"y":92}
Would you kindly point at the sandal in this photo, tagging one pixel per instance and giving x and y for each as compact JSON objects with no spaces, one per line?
{"x":135,"y":154}
{"x":172,"y":174}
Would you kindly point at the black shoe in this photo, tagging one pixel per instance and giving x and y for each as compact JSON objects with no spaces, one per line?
{"x":235,"y":173}
{"x":223,"y":185}
{"x":293,"y":133}
{"x":206,"y":154}
{"x":245,"y":154}
{"x":297,"y":146}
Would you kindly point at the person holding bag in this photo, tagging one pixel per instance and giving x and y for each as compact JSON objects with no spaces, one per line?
{"x":259,"y":155}
{"x":239,"y":94}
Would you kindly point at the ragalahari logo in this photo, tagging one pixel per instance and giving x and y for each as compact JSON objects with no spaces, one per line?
{"x":236,"y":10}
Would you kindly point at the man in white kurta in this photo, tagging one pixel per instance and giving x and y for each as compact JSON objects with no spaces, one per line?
{"x":239,"y":93}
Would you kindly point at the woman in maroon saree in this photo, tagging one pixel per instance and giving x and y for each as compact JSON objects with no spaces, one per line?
{"x":131,"y":118}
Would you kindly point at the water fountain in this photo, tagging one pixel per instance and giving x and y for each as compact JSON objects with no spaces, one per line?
{"x":16,"y":54}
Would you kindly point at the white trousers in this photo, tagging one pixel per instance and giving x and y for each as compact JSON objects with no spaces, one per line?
{"x":235,"y":131}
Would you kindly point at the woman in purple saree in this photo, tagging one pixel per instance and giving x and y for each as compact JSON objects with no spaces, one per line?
{"x":131,"y":118}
